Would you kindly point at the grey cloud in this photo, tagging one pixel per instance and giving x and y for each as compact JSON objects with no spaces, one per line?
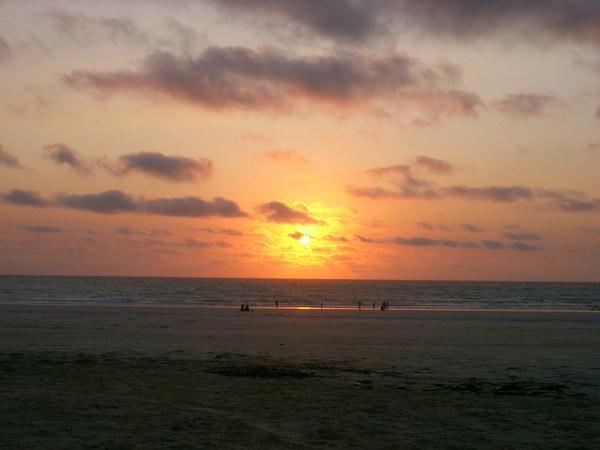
{"x":62,"y":154}
{"x":570,"y":201}
{"x":435,"y":165}
{"x":192,"y":207}
{"x":397,"y":169}
{"x":171,"y":168}
{"x":416,"y":241}
{"x":558,"y":19}
{"x":524,"y":105}
{"x":24,"y":198}
{"x":128,"y":231}
{"x":189,"y":243}
{"x":242,"y":78}
{"x":359,"y":20}
{"x":195,"y":243}
{"x":494,"y":245}
{"x":412,"y":188}
{"x":506,"y":194}
{"x":465,"y":227}
{"x":223,"y":231}
{"x":522,"y":236}
{"x":107,"y":202}
{"x":368,"y":240}
{"x":9,"y":160}
{"x":472,"y":228}
{"x":42,"y":228}
{"x":279,"y":212}
{"x":492,"y":193}
{"x":82,"y":26}
{"x":5,"y":51}
{"x":373,"y":193}
{"x":526,"y":247}
{"x":346,"y":20}
{"x":114,"y":201}
{"x":420,"y":241}
{"x":427,"y":226}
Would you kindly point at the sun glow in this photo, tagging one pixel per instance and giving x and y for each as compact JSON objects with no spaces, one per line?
{"x":305,"y":240}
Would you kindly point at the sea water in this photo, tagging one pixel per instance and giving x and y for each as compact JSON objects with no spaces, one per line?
{"x":332,"y":293}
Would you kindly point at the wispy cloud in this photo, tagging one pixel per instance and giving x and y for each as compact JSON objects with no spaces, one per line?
{"x":78,"y":25}
{"x":434,"y":165}
{"x":471,"y":228}
{"x":420,"y":241}
{"x":42,"y":228}
{"x":411,"y":187}
{"x":279,"y":212}
{"x":9,"y":160}
{"x":6,"y":53}
{"x":518,"y":233}
{"x":63,"y":154}
{"x":397,"y":169}
{"x":524,"y":105}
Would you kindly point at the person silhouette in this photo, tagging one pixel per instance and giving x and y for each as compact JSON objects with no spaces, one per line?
{"x":277,"y":304}
{"x":359,"y":305}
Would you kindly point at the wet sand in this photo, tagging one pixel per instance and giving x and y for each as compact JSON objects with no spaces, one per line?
{"x":158,"y":377}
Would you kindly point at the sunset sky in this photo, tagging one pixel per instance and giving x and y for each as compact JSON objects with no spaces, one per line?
{"x":408,"y":139}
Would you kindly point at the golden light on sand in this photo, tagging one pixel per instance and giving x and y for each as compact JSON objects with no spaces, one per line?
{"x":305,"y":240}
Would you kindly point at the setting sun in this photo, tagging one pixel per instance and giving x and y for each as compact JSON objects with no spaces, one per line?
{"x":305,"y":240}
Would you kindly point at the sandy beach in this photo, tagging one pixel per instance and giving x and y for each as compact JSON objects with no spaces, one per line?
{"x":157,"y":377}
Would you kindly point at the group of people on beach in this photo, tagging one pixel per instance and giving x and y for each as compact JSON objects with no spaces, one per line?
{"x":245,"y":307}
{"x":385,"y":305}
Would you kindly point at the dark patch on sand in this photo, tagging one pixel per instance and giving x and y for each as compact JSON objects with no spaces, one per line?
{"x":129,"y":400}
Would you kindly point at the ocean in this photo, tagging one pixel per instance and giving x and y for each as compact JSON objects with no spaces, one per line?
{"x":297,"y":293}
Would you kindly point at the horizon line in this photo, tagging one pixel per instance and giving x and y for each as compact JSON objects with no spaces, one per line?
{"x":175,"y":277}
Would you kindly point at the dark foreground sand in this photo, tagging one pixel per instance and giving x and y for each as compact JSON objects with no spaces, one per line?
{"x":149,"y":377}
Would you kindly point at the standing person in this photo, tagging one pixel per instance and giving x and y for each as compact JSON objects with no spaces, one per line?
{"x":359,"y":304}
{"x":276,"y":304}
{"x":321,"y":304}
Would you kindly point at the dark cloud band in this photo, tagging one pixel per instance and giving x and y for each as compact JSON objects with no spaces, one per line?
{"x":243,"y":78}
{"x":115,"y":202}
